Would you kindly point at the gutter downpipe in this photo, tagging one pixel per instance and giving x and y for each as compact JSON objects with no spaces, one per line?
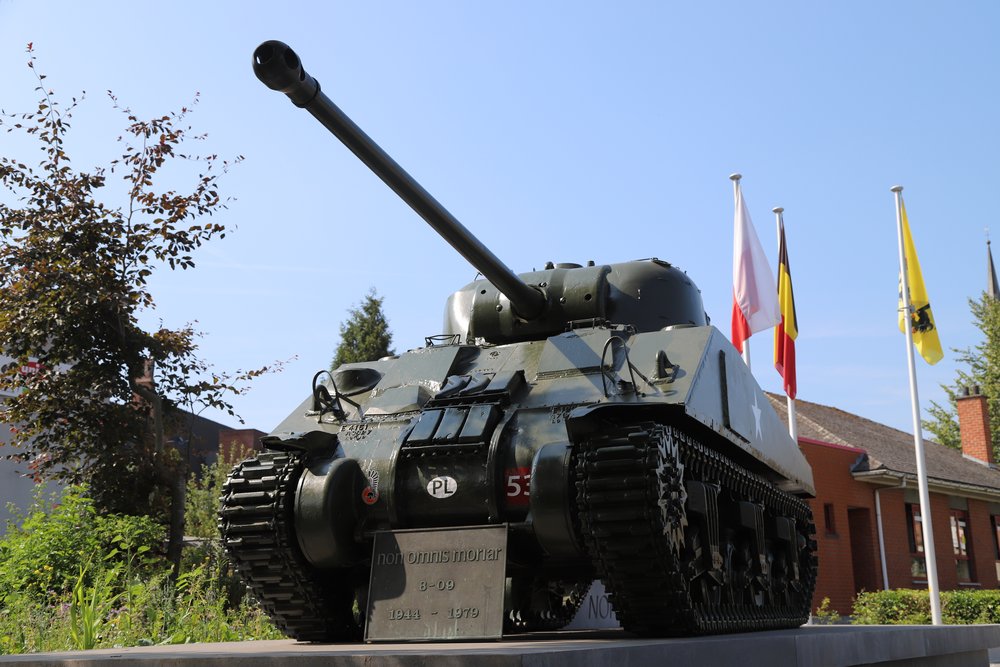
{"x":881,"y":537}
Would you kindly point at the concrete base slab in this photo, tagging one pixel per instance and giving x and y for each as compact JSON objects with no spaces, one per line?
{"x":809,"y":646}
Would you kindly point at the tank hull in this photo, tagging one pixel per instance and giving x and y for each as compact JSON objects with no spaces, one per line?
{"x":525,"y":396}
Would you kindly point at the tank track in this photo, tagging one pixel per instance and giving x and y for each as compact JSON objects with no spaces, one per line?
{"x":539,"y":604}
{"x":634,"y":521}
{"x":257,"y":527}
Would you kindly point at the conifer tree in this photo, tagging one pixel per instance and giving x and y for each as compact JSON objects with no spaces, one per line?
{"x":982,"y":369}
{"x":365,"y":335}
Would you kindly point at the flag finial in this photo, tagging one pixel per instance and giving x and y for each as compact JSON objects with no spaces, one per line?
{"x":777,"y":209}
{"x":735,"y":177}
{"x":896,"y":188}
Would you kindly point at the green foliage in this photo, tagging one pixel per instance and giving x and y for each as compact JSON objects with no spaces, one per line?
{"x":982,"y":369}
{"x":124,"y":595}
{"x":971,"y":606}
{"x":203,"y":493}
{"x":825,"y":615}
{"x":90,"y":607}
{"x":27,"y":626}
{"x":197,"y":609}
{"x":44,"y":553}
{"x":898,"y":607}
{"x":912,"y":607}
{"x":206,"y":608}
{"x":41,"y":559}
{"x":365,"y":336}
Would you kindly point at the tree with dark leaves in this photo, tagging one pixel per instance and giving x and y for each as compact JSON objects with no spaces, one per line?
{"x":91,"y":393}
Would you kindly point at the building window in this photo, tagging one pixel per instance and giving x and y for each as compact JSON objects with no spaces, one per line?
{"x":828,"y":519}
{"x":961,"y":543}
{"x":915,"y":534}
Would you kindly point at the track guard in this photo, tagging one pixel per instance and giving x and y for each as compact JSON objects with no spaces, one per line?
{"x":326,"y":512}
{"x":552,"y":501}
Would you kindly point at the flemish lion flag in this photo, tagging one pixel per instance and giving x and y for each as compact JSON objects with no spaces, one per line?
{"x":788,"y":329}
{"x":925,"y":335}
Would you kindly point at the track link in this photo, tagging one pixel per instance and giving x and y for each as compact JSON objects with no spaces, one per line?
{"x":257,"y":526}
{"x":538,"y":604}
{"x":633,"y":517}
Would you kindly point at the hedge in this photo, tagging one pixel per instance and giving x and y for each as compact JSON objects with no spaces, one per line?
{"x":913,"y":607}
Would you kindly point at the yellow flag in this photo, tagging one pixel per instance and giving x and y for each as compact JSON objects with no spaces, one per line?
{"x":925,"y":335}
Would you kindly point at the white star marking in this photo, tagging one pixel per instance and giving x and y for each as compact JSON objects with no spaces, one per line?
{"x":756,"y":417}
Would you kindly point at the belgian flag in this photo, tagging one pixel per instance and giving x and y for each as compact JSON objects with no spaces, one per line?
{"x":788,"y":329}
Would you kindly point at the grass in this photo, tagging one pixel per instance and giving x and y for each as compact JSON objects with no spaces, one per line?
{"x":122,"y":594}
{"x":113,"y":613}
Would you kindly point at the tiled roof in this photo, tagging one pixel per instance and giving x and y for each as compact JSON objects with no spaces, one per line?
{"x":888,"y":449}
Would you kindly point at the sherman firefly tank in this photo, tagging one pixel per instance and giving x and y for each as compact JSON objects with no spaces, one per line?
{"x":592,"y":412}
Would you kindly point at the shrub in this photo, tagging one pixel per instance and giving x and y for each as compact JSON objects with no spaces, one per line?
{"x":70,"y":578}
{"x":202,"y":500}
{"x":42,"y":558}
{"x":825,"y":615}
{"x":910,"y":607}
{"x":27,"y":626}
{"x":970,"y":606}
{"x":898,"y":607}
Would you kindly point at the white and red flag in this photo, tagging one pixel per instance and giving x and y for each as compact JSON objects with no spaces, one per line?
{"x":755,"y":294}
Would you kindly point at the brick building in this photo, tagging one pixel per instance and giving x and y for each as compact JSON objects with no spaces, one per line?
{"x":204,"y":441}
{"x":867,"y":509}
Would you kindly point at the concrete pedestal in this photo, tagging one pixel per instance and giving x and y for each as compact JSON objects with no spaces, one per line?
{"x":810,"y":646}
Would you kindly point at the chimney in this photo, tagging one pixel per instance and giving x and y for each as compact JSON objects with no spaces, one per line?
{"x":146,"y":379}
{"x":974,"y":425}
{"x":144,"y":382}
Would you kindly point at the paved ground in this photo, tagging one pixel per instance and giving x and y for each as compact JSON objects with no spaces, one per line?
{"x":830,"y":646}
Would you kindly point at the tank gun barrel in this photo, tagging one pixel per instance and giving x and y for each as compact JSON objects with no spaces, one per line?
{"x":279,"y":68}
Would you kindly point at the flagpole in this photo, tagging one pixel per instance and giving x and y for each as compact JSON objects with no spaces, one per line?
{"x":793,"y":426}
{"x":735,"y":178}
{"x":930,"y":559}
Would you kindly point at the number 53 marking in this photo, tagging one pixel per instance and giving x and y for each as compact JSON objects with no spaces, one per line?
{"x":518,"y":483}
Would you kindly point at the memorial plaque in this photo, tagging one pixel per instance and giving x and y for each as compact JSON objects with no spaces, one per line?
{"x":445,"y":583}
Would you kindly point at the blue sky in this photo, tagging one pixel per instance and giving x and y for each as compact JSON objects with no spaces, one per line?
{"x":563,"y":131}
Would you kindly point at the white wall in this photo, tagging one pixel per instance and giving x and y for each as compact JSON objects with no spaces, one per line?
{"x":13,"y":487}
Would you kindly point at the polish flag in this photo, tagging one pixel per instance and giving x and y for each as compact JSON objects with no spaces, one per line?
{"x":755,"y":294}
